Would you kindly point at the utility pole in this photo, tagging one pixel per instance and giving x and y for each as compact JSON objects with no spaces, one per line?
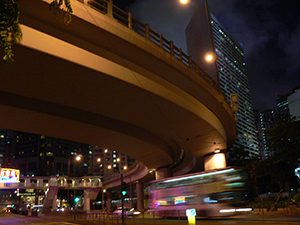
{"x":122,"y":197}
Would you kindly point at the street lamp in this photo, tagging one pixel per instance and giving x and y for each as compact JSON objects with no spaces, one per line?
{"x":184,"y":2}
{"x":122,"y":187}
{"x":103,"y":199}
{"x":210,"y":57}
{"x":210,"y":34}
{"x":122,"y":196}
{"x":77,"y":158}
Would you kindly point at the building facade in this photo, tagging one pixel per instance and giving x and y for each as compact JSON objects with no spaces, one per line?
{"x":5,"y":147}
{"x":107,"y":162}
{"x":294,"y":103}
{"x":289,"y":103}
{"x":39,"y":155}
{"x":265,"y":120}
{"x":204,"y":34}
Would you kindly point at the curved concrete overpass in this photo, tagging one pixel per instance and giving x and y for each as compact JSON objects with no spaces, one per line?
{"x":99,"y":81}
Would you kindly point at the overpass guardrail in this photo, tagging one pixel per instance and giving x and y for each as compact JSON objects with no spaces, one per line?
{"x":106,"y":7}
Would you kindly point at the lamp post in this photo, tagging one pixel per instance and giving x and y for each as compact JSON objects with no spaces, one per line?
{"x":103,"y":199}
{"x":210,"y":57}
{"x":77,"y":158}
{"x":122,"y":188}
{"x":184,"y":2}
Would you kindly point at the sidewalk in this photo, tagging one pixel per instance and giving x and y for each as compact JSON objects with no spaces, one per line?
{"x":280,"y":214}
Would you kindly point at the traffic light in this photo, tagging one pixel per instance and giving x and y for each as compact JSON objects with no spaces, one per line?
{"x":124,"y":192}
{"x":77,"y":199}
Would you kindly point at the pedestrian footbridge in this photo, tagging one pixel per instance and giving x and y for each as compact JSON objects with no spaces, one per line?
{"x":108,"y":79}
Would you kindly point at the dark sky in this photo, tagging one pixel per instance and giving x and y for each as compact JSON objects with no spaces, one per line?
{"x":268,"y":29}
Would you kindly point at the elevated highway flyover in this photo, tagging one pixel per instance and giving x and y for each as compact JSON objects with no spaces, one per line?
{"x":107,"y":79}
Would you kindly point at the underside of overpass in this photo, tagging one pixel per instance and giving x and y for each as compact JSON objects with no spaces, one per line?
{"x":98,"y":82}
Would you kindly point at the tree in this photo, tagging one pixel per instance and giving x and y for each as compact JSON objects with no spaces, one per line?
{"x":284,"y":145}
{"x":238,"y":156}
{"x":58,"y":4}
{"x":10,"y":31}
{"x":284,"y":140}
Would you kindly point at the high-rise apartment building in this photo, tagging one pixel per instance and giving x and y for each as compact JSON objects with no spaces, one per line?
{"x":282,"y":103}
{"x":108,"y":162}
{"x":40,"y":155}
{"x":5,"y":147}
{"x":265,"y":120}
{"x":294,"y":103}
{"x":289,"y":103}
{"x":204,"y":34}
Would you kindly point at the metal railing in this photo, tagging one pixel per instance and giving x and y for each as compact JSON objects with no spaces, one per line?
{"x":106,"y":7}
{"x":102,"y":217}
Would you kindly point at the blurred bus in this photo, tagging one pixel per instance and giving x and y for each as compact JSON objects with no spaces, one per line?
{"x":219,"y":192}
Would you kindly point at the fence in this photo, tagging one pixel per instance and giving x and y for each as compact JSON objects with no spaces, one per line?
{"x":100,"y":217}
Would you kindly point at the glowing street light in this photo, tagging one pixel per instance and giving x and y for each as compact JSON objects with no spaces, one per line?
{"x":184,"y":2}
{"x":210,"y":57}
{"x":217,"y":150}
{"x":77,"y":158}
{"x":123,"y":191}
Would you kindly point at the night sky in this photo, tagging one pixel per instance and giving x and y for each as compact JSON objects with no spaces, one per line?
{"x":268,"y":29}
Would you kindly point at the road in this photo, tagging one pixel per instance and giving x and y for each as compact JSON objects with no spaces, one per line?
{"x":13,"y":219}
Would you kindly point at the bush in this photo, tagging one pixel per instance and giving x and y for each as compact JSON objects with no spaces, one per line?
{"x":296,"y":198}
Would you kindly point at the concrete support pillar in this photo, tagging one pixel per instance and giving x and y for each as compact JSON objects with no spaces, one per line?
{"x":27,"y":182}
{"x":89,"y":194}
{"x":108,"y":201}
{"x":103,"y":199}
{"x":163,"y":172}
{"x":54,"y":203}
{"x":215,"y":161}
{"x":139,"y":196}
{"x":40,"y":182}
{"x":87,"y":205}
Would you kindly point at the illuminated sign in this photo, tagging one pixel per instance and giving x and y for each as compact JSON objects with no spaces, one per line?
{"x":191,"y":215}
{"x":179,"y":200}
{"x":190,"y":212}
{"x":25,"y":194}
{"x":160,"y":202}
{"x":8,"y":175}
